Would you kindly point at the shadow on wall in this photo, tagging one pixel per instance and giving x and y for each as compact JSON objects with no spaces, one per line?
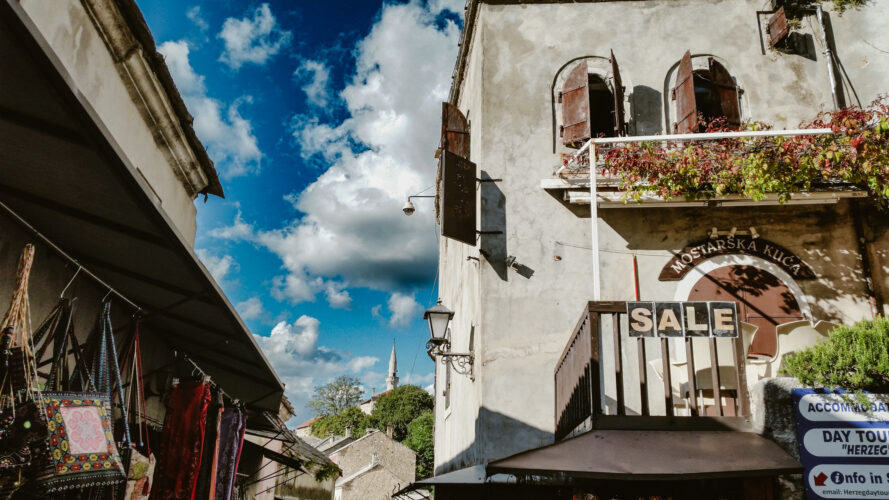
{"x":493,"y":218}
{"x":496,"y":436}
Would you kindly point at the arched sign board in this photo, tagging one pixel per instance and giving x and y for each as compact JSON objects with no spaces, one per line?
{"x":695,"y":253}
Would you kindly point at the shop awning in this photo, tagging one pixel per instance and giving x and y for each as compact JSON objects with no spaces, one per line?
{"x":653,"y":455}
{"x":62,"y":172}
{"x":470,"y":476}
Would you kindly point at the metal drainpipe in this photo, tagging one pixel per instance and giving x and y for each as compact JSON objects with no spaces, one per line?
{"x":831,"y":72}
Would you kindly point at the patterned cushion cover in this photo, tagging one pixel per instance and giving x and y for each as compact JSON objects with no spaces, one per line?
{"x":80,"y":442}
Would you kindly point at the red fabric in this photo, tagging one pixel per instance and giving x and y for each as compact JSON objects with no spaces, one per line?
{"x":176,"y":476}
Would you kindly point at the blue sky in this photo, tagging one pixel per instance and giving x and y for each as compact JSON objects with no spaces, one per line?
{"x":321,"y":117}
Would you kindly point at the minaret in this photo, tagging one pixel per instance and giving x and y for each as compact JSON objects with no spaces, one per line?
{"x":392,"y":379}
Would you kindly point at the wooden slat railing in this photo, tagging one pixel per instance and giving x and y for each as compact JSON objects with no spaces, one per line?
{"x":579,"y":375}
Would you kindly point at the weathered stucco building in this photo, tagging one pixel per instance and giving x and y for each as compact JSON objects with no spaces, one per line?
{"x":518,"y":293}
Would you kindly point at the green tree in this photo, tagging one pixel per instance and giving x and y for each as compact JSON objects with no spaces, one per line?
{"x":329,"y":425}
{"x":398,"y":408}
{"x":337,"y":396}
{"x":420,"y":439}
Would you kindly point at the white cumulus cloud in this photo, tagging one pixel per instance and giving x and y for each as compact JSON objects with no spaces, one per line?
{"x":252,"y":40}
{"x":350,"y":228}
{"x":316,"y":76}
{"x":251,"y":308}
{"x":219,"y":266}
{"x":294,"y":350}
{"x":403,"y":309}
{"x":222,"y":128}
{"x":194,"y":15}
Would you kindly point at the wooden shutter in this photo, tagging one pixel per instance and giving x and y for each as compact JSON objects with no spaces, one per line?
{"x":458,"y":194}
{"x":575,"y":97}
{"x":454,"y":131}
{"x":620,"y":126}
{"x":684,"y":95}
{"x":724,"y":84}
{"x":777,"y":27}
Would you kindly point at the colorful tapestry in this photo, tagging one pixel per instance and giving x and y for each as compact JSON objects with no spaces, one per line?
{"x":140,"y":476}
{"x":80,"y":443}
{"x":177,"y":470}
{"x":232,"y":425}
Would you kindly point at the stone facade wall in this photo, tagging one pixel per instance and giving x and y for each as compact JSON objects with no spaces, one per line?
{"x":396,"y":469}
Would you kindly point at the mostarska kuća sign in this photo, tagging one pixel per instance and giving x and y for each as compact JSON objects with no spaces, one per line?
{"x":683,"y":319}
{"x":844,"y":443}
{"x":693,"y":254}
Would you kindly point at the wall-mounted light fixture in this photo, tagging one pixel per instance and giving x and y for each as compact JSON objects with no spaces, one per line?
{"x":408,"y":207}
{"x":734,"y":231}
{"x":438,"y":317}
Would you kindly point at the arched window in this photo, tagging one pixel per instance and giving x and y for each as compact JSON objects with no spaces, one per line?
{"x":592,"y":106}
{"x":709,"y":92}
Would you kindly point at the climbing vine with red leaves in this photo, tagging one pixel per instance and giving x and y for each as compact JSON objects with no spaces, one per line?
{"x":855,"y":156}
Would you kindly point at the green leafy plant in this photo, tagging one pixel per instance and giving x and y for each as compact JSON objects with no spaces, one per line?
{"x":335,"y":425}
{"x":853,"y":357}
{"x":420,"y":439}
{"x":856,"y":155}
{"x":336,"y":396}
{"x":398,"y":408}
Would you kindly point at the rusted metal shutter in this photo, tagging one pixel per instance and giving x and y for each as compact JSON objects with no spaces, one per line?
{"x":620,"y":126}
{"x":575,"y":97}
{"x":777,"y":27}
{"x":454,"y":138}
{"x":684,"y":95}
{"x":458,"y":198}
{"x":454,"y":131}
{"x":728,"y":92}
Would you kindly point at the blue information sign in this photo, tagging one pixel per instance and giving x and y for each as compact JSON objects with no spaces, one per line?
{"x":844,"y":443}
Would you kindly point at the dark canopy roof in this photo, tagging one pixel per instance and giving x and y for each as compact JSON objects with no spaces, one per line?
{"x":62,"y":171}
{"x":653,"y":455}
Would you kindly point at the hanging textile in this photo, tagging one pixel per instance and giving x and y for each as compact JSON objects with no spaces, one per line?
{"x":81,"y":446}
{"x":184,"y":427}
{"x":140,"y":476}
{"x":206,"y":489}
{"x":233,"y":424}
{"x":22,"y":427}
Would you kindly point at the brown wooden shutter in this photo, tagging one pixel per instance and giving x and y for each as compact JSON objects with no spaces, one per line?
{"x":458,"y":194}
{"x":777,"y":27}
{"x":454,"y":138}
{"x":454,"y":130}
{"x":620,"y":127}
{"x":575,"y":97}
{"x":684,"y":95}
{"x":728,"y":92}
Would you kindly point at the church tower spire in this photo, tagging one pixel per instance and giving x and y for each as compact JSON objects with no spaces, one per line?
{"x":392,"y":379}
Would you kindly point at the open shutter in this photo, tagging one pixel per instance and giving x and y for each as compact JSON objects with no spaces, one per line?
{"x":684,"y":95}
{"x":620,"y":127}
{"x":454,"y":130}
{"x":454,"y":138}
{"x":728,"y":92}
{"x":777,"y":27}
{"x":575,"y":97}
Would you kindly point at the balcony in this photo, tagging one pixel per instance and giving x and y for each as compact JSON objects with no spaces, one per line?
{"x":605,"y":379}
{"x":572,"y":179}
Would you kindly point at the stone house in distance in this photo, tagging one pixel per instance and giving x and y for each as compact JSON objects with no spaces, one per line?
{"x":538,"y":276}
{"x":374,"y":466}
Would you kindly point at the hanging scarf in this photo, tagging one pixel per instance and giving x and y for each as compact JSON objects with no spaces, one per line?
{"x":233,"y":424}
{"x":207,"y":476}
{"x":185,"y":423}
